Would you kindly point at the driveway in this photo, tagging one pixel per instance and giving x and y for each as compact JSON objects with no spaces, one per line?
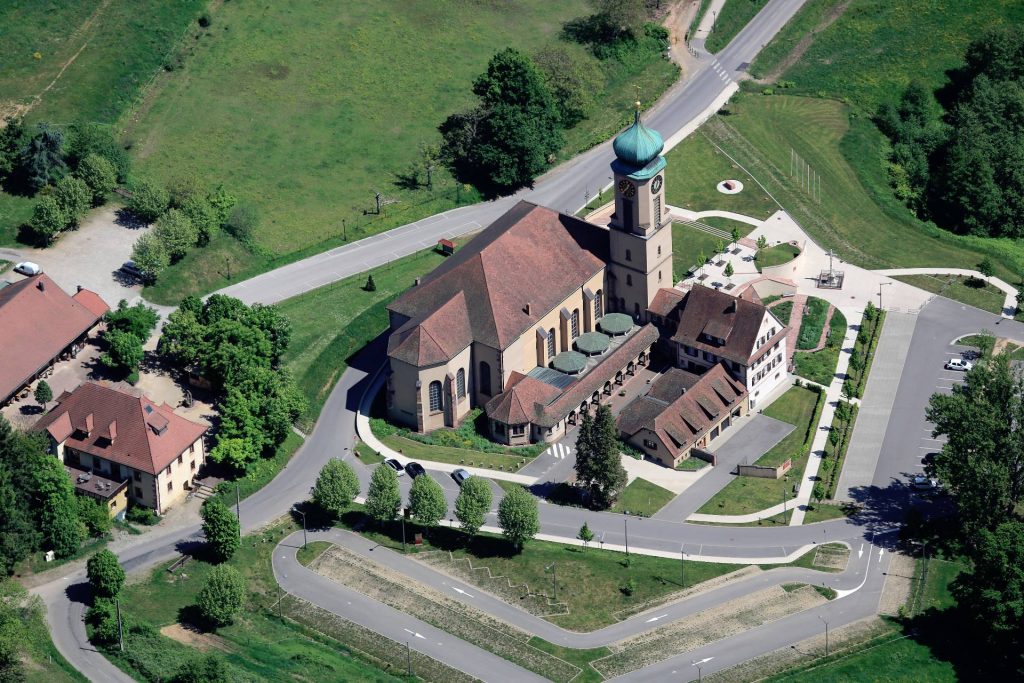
{"x":745,"y":446}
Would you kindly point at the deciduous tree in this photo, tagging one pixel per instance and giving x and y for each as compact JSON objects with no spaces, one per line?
{"x":336,"y":487}
{"x":73,"y":197}
{"x":43,"y":393}
{"x":221,"y":529}
{"x":176,"y":231}
{"x":221,"y":598}
{"x":48,"y":219}
{"x":56,"y":507}
{"x":585,"y":535}
{"x":518,"y":516}
{"x":105,"y":574}
{"x":234,"y":452}
{"x":426,"y":501}
{"x":383,"y":497}
{"x":149,"y":200}
{"x":124,"y":351}
{"x":150,"y":256}
{"x":99,"y":175}
{"x":95,"y":515}
{"x":574,"y":80}
{"x":139,"y":319}
{"x":472,"y":504}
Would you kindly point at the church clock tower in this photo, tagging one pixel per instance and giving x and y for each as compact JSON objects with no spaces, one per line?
{"x":640,"y":232}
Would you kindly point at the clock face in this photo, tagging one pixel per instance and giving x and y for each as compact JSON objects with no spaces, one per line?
{"x":656,"y":185}
{"x":627,"y":189}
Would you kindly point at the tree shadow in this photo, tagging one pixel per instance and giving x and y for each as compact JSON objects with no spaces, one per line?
{"x":127,"y":219}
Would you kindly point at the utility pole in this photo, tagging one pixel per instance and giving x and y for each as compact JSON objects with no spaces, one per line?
{"x":826,"y":633}
{"x":304,"y":538}
{"x":344,"y":230}
{"x":403,"y":532}
{"x":625,"y":526}
{"x":408,"y":658}
{"x":785,"y":519}
{"x":238,"y":509}
{"x":120,"y":630}
{"x":880,"y":285}
{"x":682,"y":566}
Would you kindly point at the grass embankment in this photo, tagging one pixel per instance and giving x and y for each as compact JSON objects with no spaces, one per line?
{"x":688,"y":243}
{"x":864,"y":350}
{"x":835,"y":452}
{"x":260,"y":645}
{"x":776,"y":256}
{"x":642,"y":498}
{"x":962,"y":288}
{"x":310,"y":143}
{"x":800,"y":407}
{"x":454,"y":456}
{"x":820,"y":366}
{"x":41,"y":48}
{"x":731,"y":19}
{"x":23,"y":625}
{"x":859,"y":216}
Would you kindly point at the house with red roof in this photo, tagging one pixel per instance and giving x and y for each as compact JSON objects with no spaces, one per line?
{"x":124,"y":437}
{"x":40,"y":323}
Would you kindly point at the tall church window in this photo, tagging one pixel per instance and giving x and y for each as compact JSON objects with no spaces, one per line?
{"x":460,"y":383}
{"x":629,"y":255}
{"x":659,"y":276}
{"x":598,"y":306}
{"x":629,"y":280}
{"x":636,"y":311}
{"x":575,"y":323}
{"x":657,"y":210}
{"x":485,"y":378}
{"x":551,"y":343}
{"x":627,"y":210}
{"x":659,"y":250}
{"x":435,"y":396}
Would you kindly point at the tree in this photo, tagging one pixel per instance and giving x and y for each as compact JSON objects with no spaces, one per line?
{"x":735,"y":234}
{"x":139,"y":319}
{"x":149,"y":200}
{"x":383,"y":497}
{"x":99,"y":175}
{"x":336,"y":487}
{"x":105,"y":574}
{"x":56,"y":508}
{"x":19,"y":509}
{"x":242,"y":222}
{"x":124,"y":351}
{"x":370,"y":285}
{"x":234,"y":452}
{"x":426,"y":501}
{"x":221,"y":529}
{"x":982,"y":462}
{"x":12,"y":141}
{"x":585,"y":535}
{"x":573,"y":78}
{"x":97,"y":139}
{"x":48,"y":218}
{"x":222,"y":202}
{"x":518,"y":516}
{"x":585,"y":449}
{"x":986,"y":268}
{"x":177,"y":233}
{"x":94,"y":515}
{"x":729,"y":270}
{"x":42,"y":159}
{"x":73,"y":197}
{"x":209,"y":668}
{"x":183,"y":188}
{"x":506,"y":142}
{"x":203,"y":217}
{"x":150,"y":256}
{"x":472,"y":504}
{"x":621,"y":16}
{"x":222,"y":596}
{"x":762,"y":242}
{"x":43,"y":393}
{"x":604,"y":477}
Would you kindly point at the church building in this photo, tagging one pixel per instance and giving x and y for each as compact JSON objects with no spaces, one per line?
{"x":542,"y":315}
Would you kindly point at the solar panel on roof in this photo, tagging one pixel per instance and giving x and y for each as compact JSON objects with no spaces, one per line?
{"x":553,"y":377}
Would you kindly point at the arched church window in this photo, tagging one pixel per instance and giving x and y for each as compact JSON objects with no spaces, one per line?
{"x":629,"y":280}
{"x":598,"y":305}
{"x":659,"y":250}
{"x":551,"y":343}
{"x":629,"y":255}
{"x":485,"y":378}
{"x":575,"y":323}
{"x":636,"y":311}
{"x":435,"y":396}
{"x":460,"y":383}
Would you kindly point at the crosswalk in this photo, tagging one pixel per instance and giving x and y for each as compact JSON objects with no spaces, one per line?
{"x":721,"y":71}
{"x":559,"y":451}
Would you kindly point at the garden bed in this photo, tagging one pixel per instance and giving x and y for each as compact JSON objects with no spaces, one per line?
{"x":820,"y":366}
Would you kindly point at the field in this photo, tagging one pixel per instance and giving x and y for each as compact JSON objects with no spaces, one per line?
{"x":734,"y":15}
{"x":744,"y":495}
{"x":642,"y":498}
{"x":296,"y":108}
{"x":694,"y":170}
{"x":966,"y":290}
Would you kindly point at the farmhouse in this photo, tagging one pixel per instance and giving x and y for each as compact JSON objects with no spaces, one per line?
{"x":39,"y":324}
{"x":126,"y":438}
{"x":542,"y":316}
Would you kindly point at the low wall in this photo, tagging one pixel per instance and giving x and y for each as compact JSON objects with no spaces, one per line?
{"x":764,"y":472}
{"x":704,"y":455}
{"x":789,"y":268}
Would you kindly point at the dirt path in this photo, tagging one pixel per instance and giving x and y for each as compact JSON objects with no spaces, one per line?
{"x":805,"y":43}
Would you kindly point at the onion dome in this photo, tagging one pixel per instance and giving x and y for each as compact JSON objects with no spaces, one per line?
{"x":638,"y":145}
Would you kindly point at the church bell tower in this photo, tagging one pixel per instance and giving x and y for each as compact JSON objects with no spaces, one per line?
{"x":640,"y":232}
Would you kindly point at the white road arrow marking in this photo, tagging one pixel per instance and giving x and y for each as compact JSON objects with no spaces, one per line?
{"x":461,"y":592}
{"x":660,"y":616}
{"x":881,"y":551}
{"x":414,"y":633}
{"x":860,"y":553}
{"x":702,"y":661}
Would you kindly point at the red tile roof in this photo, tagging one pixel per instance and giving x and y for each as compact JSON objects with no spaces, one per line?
{"x":665,"y":301}
{"x":437,"y":338}
{"x":146,"y":436}
{"x":38,"y":320}
{"x":682,"y":422}
{"x":709,"y":311}
{"x":530,"y":257}
{"x":524,"y":397}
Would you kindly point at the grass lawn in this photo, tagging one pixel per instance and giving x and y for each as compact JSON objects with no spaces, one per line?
{"x":835,"y":454}
{"x":783,"y":311}
{"x":368,"y":455}
{"x":857,"y":217}
{"x":312,"y":551}
{"x":258,"y":646}
{"x":687,"y":244}
{"x":744,"y":495}
{"x":776,"y":256}
{"x":812,"y":323}
{"x":331,"y":323}
{"x":804,"y":23}
{"x":873,"y":331}
{"x":691,"y":465}
{"x":733,"y":16}
{"x":964,"y":289}
{"x":454,"y":456}
{"x":727,"y":224}
{"x":820,"y":366}
{"x":642,"y":498}
{"x":694,"y":170}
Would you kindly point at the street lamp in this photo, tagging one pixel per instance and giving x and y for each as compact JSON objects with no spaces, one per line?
{"x":682,"y":565}
{"x":880,"y":285}
{"x":697,"y":664}
{"x":825,"y":621}
{"x":625,"y":527}
{"x":402,"y":516}
{"x":304,"y":539}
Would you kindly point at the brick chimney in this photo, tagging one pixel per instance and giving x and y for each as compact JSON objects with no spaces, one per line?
{"x":112,"y":430}
{"x":40,"y":285}
{"x":527,"y":308}
{"x":88,"y":424}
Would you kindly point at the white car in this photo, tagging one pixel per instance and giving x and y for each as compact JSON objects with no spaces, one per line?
{"x":28,"y":268}
{"x":959,"y":364}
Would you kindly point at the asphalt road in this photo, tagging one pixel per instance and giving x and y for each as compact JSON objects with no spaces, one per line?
{"x":565,"y":188}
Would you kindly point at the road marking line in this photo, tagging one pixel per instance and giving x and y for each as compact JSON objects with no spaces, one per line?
{"x":660,"y":616}
{"x":414,"y":633}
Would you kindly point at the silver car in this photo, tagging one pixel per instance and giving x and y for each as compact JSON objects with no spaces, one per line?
{"x":460,"y":476}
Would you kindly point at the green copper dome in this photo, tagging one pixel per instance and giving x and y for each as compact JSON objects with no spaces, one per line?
{"x":638,"y":145}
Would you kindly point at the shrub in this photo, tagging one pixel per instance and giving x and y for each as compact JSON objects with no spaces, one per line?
{"x":141,"y":515}
{"x":94,"y":515}
{"x":203,"y":217}
{"x":204,"y":20}
{"x":149,"y":200}
{"x":242,"y":222}
{"x":629,"y":587}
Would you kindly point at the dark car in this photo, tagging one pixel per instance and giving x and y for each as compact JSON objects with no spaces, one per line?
{"x":395,"y":465}
{"x":414,"y":469}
